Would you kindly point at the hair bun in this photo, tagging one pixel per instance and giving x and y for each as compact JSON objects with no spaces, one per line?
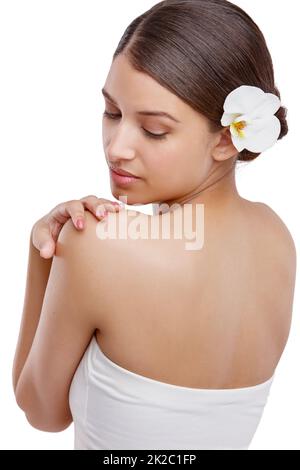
{"x":282,"y":116}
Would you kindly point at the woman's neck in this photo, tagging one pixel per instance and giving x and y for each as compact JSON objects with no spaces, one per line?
{"x":219,"y":189}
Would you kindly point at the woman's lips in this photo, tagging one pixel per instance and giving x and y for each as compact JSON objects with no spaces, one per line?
{"x":120,"y":179}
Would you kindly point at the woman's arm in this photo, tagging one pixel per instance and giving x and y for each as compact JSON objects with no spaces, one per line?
{"x":45,"y":232}
{"x":37,"y":277}
{"x":61,"y":313}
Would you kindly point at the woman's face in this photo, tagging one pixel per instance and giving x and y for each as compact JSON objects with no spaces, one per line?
{"x":172,"y":163}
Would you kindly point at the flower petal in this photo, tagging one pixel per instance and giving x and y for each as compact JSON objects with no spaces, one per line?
{"x":260,"y":135}
{"x":238,"y":142}
{"x":244,"y":99}
{"x":267,"y":107}
{"x":228,"y":118}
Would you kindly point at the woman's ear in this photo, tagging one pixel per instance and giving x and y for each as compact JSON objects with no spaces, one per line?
{"x":224,"y":148}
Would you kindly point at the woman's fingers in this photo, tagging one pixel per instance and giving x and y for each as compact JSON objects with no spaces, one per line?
{"x":48,"y":249}
{"x":46,"y":230}
{"x":101,"y":208}
{"x":98,"y":206}
{"x":42,"y":239}
{"x":74,"y":209}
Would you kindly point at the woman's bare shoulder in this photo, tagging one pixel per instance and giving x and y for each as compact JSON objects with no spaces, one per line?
{"x":116,"y":262}
{"x":278,"y":244}
{"x":275,"y":225}
{"x":112,"y":238}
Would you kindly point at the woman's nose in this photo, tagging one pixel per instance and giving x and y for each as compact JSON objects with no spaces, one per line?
{"x":123,"y":140}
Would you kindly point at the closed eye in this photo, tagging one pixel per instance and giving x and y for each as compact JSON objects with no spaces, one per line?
{"x":149,"y":134}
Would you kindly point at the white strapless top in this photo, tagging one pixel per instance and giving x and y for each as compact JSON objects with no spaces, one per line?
{"x":114,"y":408}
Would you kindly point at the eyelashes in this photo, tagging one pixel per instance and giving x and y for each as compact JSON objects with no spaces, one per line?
{"x":113,"y":116}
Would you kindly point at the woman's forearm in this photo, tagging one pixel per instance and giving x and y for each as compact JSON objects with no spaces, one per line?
{"x":37,"y":277}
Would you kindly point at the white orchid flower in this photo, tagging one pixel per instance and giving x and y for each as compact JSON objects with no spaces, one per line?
{"x":249,"y":112}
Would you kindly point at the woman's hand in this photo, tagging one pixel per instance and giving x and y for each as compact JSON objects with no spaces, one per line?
{"x":46,"y":230}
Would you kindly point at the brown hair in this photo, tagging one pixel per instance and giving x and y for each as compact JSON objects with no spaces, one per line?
{"x":201,"y":50}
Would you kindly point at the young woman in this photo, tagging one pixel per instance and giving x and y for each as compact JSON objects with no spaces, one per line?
{"x":143,"y":343}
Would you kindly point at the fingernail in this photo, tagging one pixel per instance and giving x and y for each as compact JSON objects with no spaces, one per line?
{"x":79,"y":223}
{"x":100,"y":213}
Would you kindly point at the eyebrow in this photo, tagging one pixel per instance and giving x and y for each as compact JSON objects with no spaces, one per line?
{"x":143,"y":113}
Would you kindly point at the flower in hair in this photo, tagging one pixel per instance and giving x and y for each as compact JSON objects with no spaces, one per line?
{"x":249,"y":112}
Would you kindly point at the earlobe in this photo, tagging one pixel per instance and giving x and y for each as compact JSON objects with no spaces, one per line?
{"x":222,"y":155}
{"x":224,"y":149}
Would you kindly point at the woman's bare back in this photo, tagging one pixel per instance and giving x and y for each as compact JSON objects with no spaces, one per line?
{"x":218,"y":317}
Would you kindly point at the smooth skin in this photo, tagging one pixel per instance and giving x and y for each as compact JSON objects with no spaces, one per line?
{"x":214,"y":318}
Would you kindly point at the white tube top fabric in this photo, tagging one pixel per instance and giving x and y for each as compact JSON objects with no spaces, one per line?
{"x":114,"y":408}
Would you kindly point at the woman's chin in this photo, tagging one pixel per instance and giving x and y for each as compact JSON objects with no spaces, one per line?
{"x":125,"y":197}
{"x":132,"y":197}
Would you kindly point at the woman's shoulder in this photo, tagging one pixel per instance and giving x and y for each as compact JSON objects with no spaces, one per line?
{"x":274,"y":246}
{"x":111,"y":241}
{"x":99,"y":263}
{"x":276,"y":230}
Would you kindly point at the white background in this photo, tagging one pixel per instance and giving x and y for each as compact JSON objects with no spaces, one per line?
{"x":55,"y":56}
